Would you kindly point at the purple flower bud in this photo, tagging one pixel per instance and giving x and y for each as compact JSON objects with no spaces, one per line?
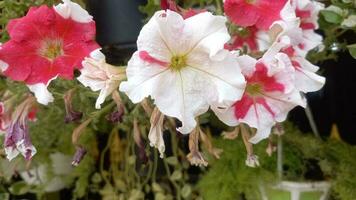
{"x":116,"y":116}
{"x":78,"y":156}
{"x":72,"y":116}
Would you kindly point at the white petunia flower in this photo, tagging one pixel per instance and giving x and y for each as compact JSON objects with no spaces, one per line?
{"x":182,"y":65}
{"x":99,"y":75}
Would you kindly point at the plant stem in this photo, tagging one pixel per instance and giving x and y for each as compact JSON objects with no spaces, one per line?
{"x":219,"y":10}
{"x":168,"y":171}
{"x":311,"y":120}
{"x":280,"y":158}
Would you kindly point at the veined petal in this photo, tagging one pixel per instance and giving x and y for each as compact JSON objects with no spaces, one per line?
{"x":69,"y":9}
{"x":207,"y":32}
{"x":225,"y":76}
{"x":143,"y":78}
{"x":152,"y":41}
{"x":183,"y":95}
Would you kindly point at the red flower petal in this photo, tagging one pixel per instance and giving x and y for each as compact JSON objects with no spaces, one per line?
{"x":44,"y":44}
{"x":261,"y":13}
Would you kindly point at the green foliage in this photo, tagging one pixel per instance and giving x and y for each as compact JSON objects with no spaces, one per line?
{"x":337,"y":21}
{"x":229,"y":177}
{"x":335,"y":159}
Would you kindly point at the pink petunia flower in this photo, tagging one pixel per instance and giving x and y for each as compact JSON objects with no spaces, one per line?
{"x":47,"y":43}
{"x":245,"y":37}
{"x":261,"y":13}
{"x":269,"y":95}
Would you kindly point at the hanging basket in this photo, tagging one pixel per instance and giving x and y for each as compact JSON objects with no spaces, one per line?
{"x":289,"y":190}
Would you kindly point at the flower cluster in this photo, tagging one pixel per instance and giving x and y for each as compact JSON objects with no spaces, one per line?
{"x":187,"y":62}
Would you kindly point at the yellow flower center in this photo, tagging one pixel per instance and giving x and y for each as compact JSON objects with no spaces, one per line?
{"x":178,"y":62}
{"x":250,"y":1}
{"x":253,"y":89}
{"x":51,"y":49}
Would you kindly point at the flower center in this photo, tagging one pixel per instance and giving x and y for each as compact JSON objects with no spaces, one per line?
{"x":254,"y":89}
{"x":51,"y":49}
{"x":178,"y":62}
{"x":250,"y":1}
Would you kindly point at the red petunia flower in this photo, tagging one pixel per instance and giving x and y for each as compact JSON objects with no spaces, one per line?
{"x":247,"y":36}
{"x":47,"y":43}
{"x":261,"y":13}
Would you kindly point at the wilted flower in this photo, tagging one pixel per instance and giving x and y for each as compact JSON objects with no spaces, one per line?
{"x":182,"y":65}
{"x":271,"y":148}
{"x":46,"y":43}
{"x":17,"y":138}
{"x":71,"y":114}
{"x":270,"y":93}
{"x":231,"y":135}
{"x":195,"y":157}
{"x":117,"y":115}
{"x":99,"y":75}
{"x":155,"y":136}
{"x":206,"y":139}
{"x":261,"y":13}
{"x":138,"y":140}
{"x":252,"y":161}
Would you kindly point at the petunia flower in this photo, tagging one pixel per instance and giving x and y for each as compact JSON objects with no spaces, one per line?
{"x":182,"y":65}
{"x":17,"y":139}
{"x":306,"y":79}
{"x":47,"y":43}
{"x":270,"y":93}
{"x":261,"y":13}
{"x":298,"y":22}
{"x":99,"y":75}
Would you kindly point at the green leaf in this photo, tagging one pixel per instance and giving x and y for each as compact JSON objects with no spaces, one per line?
{"x":331,"y":17}
{"x":4,"y":196}
{"x":177,"y":175}
{"x":172,"y":160}
{"x":352,"y":50}
{"x":19,"y":188}
{"x":186,"y":191}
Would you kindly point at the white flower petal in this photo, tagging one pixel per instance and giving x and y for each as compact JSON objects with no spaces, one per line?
{"x":69,"y":9}
{"x":226,"y":115}
{"x":226,"y":76}
{"x":142,"y":78}
{"x":41,"y":92}
{"x":208,"y":32}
